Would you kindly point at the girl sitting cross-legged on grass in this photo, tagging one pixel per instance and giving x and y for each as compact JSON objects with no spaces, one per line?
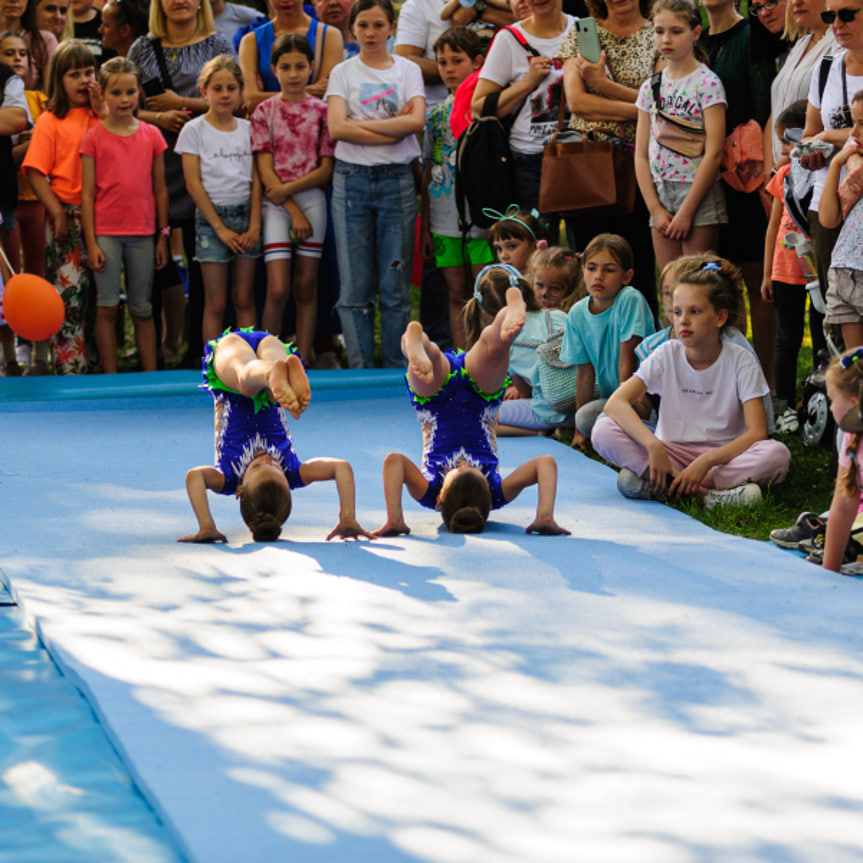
{"x":711,"y":439}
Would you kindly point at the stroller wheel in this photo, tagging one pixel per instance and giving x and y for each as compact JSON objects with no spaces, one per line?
{"x":816,"y":421}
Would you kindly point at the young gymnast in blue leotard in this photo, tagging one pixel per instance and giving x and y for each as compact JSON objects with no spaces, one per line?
{"x":456,"y":397}
{"x":252,"y":377}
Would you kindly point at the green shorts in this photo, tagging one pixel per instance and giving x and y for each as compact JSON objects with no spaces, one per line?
{"x":448,"y":251}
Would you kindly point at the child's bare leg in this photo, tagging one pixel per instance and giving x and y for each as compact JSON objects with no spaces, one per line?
{"x":428,"y":366}
{"x":488,"y":360}
{"x":231,"y":359}
{"x":247,"y":372}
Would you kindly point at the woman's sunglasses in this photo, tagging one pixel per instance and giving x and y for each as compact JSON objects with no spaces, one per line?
{"x":846,"y":16}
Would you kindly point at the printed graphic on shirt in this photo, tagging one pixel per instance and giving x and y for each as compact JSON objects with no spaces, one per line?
{"x":544,"y":105}
{"x":379,"y":101}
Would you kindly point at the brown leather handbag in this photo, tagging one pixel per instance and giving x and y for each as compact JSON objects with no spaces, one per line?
{"x":586,"y":179}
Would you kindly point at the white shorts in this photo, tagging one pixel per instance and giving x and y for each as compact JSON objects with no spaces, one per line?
{"x":278,"y":244}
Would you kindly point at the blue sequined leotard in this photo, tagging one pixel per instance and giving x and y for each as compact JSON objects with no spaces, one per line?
{"x":458,"y":426}
{"x":246,"y":427}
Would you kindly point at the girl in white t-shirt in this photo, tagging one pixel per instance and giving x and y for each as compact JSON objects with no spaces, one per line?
{"x":681,"y":190}
{"x":223,"y":182}
{"x":375,"y":108}
{"x":711,"y":439}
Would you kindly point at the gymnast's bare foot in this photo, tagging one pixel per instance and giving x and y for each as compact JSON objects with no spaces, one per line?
{"x":299,"y":381}
{"x":515,"y":315}
{"x":281,"y":391}
{"x":419,"y":364}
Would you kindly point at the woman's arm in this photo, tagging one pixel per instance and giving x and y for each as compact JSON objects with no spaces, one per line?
{"x":342,"y":128}
{"x":449,"y":7}
{"x":333,"y":54}
{"x":513,"y":95}
{"x":416,"y":54}
{"x":171,"y":101}
{"x":198,"y":481}
{"x":705,"y":175}
{"x":590,"y":106}
{"x":253,"y":93}
{"x":95,"y":256}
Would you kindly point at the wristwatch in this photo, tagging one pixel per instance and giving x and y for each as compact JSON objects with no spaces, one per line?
{"x":480,"y":6}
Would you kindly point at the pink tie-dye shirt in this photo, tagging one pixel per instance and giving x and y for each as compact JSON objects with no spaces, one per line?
{"x":294,"y":132}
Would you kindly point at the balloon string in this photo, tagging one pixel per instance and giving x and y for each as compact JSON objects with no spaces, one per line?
{"x":6,"y":261}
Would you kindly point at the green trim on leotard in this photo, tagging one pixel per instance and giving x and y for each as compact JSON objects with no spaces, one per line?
{"x":421,"y":400}
{"x":260,"y":400}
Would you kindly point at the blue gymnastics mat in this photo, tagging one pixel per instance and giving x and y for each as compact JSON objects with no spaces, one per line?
{"x":646,"y":689}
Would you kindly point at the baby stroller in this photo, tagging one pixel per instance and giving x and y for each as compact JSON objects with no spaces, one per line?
{"x":815,"y":422}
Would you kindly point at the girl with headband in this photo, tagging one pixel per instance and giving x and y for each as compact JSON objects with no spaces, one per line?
{"x":515,"y":236}
{"x":456,"y":397}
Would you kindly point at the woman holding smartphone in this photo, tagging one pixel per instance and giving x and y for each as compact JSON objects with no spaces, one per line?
{"x":601,"y":96}
{"x":529,"y":80}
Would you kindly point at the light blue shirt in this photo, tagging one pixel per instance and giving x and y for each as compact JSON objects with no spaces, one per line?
{"x":596,"y":339}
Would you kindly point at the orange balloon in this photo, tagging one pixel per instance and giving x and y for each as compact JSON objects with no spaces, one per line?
{"x":33,"y":308}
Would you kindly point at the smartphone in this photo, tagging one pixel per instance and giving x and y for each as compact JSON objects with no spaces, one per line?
{"x":153,"y":87}
{"x":588,"y":41}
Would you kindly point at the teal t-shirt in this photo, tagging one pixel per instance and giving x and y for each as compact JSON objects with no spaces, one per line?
{"x":596,"y":339}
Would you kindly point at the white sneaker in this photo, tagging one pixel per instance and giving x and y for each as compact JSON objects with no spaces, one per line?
{"x":740,"y":495}
{"x":787,"y":421}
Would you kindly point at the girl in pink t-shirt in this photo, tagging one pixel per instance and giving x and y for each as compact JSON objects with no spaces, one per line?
{"x":294,"y":154}
{"x":123,"y":188}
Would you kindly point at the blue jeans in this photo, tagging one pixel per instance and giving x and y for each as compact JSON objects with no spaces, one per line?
{"x":374,"y":216}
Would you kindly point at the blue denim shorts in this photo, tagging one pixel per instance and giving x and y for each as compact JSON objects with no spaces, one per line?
{"x":711,"y":210}
{"x":209,"y":249}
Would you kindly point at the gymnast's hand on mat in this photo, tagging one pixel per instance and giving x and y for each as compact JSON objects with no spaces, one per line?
{"x":348,"y":528}
{"x":206,"y":534}
{"x":546,"y":527}
{"x":393,"y":527}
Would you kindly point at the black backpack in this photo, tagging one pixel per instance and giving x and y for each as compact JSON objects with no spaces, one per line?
{"x":484,"y":168}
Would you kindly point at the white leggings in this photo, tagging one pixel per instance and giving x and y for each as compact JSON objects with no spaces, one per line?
{"x":278,"y":244}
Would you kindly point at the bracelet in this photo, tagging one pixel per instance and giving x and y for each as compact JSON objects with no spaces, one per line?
{"x":158,"y":116}
{"x":166,"y":231}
